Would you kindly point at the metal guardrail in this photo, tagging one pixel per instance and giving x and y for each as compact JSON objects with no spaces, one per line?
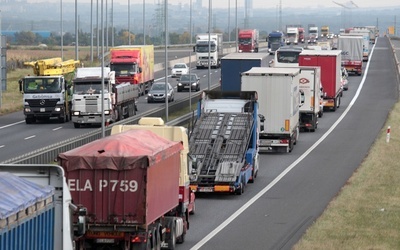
{"x":49,"y":154}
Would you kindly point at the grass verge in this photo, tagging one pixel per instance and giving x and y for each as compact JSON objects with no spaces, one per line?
{"x":366,"y":213}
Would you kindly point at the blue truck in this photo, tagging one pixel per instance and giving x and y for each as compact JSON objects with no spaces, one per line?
{"x":275,"y":40}
{"x":232,"y":65}
{"x":223,"y":142}
{"x":35,"y":208}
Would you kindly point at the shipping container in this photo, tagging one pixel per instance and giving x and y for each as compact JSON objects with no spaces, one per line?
{"x":234,"y":64}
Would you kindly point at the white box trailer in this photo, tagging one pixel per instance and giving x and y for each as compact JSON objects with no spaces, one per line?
{"x":279,"y":101}
{"x":310,"y":87}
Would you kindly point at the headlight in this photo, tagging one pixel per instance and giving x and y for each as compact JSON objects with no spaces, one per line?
{"x":106,"y":112}
{"x":76,"y":113}
{"x":57,"y":109}
{"x":149,"y":95}
{"x":194,"y":84}
{"x":27,"y":110}
{"x":179,"y":84}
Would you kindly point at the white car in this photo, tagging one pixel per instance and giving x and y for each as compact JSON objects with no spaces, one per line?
{"x":179,"y":69}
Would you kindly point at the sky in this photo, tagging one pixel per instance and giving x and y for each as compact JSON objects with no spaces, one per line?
{"x":258,"y":3}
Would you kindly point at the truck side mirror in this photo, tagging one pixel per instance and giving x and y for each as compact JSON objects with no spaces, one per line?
{"x":140,"y":69}
{"x":20,"y":85}
{"x":194,"y":48}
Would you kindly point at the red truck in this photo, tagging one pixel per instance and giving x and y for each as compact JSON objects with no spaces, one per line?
{"x":331,"y":77}
{"x":248,"y":40}
{"x":301,"y":35}
{"x":133,"y":64}
{"x":126,"y":188}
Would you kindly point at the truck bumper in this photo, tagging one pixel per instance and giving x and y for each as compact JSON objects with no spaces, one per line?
{"x":274,"y":145}
{"x":45,"y":112}
{"x":220,"y":188}
{"x":89,"y":119}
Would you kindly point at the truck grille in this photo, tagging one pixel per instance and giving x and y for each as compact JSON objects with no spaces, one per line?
{"x":42,"y":102}
{"x":91,"y":105}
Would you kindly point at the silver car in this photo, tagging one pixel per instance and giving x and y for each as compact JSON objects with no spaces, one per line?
{"x":157,"y":92}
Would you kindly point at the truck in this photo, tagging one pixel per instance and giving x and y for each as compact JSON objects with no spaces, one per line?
{"x":324,"y":31}
{"x":310,"y":86}
{"x":286,"y":56}
{"x":208,"y":44}
{"x":351,"y":48}
{"x":119,"y":100}
{"x":173,"y":133}
{"x":233,"y":64}
{"x":365,"y":33}
{"x":301,"y":35}
{"x":26,"y":214}
{"x":126,"y":186}
{"x":46,"y":93}
{"x":133,"y":64}
{"x":275,"y":40}
{"x":313,"y":33}
{"x":223,"y":140}
{"x":292,"y":35}
{"x":38,"y":207}
{"x":331,"y":77}
{"x":248,"y":40}
{"x":279,"y":100}
{"x":375,"y":32}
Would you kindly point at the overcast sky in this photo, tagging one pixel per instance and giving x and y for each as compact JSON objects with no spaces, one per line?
{"x":258,"y":3}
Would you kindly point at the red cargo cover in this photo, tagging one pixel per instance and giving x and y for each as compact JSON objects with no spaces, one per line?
{"x":127,"y":178}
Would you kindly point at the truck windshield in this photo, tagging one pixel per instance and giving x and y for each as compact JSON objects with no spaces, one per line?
{"x":42,"y":85}
{"x":124,"y":69}
{"x":274,"y":39}
{"x":94,"y":87}
{"x":204,"y":48}
{"x":288,"y":56}
{"x":244,"y":40}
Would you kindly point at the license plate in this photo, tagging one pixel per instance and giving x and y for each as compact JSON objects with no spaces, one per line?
{"x":92,"y":234}
{"x":206,"y":189}
{"x":42,"y":109}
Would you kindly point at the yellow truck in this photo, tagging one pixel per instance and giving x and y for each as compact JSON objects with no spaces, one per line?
{"x":46,"y":92}
{"x":324,"y":31}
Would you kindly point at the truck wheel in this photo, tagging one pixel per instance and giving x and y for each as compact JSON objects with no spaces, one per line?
{"x":172,"y":239}
{"x":240,"y":191}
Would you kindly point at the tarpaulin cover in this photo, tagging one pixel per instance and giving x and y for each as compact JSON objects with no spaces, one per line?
{"x":17,"y":194}
{"x":124,"y":151}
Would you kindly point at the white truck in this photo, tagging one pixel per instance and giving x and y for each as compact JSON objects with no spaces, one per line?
{"x":365,"y":33}
{"x":310,"y":86}
{"x":279,"y":100}
{"x":351,"y":48}
{"x":208,"y":45}
{"x":313,"y":33}
{"x":292,"y":35}
{"x":119,"y":99}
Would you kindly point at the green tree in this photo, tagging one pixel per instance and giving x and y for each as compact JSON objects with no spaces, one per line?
{"x":25,"y":38}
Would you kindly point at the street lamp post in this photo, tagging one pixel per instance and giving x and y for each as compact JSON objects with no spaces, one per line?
{"x":166,"y":58}
{"x":209,"y":43}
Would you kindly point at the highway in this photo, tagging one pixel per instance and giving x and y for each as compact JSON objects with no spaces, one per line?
{"x":291,"y":190}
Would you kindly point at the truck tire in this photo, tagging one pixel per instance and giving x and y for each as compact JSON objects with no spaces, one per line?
{"x":240,"y":191}
{"x":172,"y":239}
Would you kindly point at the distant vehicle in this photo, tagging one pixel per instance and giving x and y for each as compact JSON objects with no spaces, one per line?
{"x":248,"y":40}
{"x":275,"y":41}
{"x":204,"y":42}
{"x":324,"y":31}
{"x":345,"y":78}
{"x":292,"y":34}
{"x":157,"y":92}
{"x":189,"y":82}
{"x":330,"y":36}
{"x":179,"y":69}
{"x":313,"y":32}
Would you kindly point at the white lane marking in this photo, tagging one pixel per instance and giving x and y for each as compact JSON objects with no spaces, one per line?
{"x":2,"y":146}
{"x":55,"y":129}
{"x":29,"y":137}
{"x":287,"y":170}
{"x":12,"y":124}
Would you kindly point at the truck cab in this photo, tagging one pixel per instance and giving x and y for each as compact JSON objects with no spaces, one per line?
{"x":248,"y":40}
{"x":275,"y":41}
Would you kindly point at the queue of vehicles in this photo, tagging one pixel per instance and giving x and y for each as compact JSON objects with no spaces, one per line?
{"x":260,"y":109}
